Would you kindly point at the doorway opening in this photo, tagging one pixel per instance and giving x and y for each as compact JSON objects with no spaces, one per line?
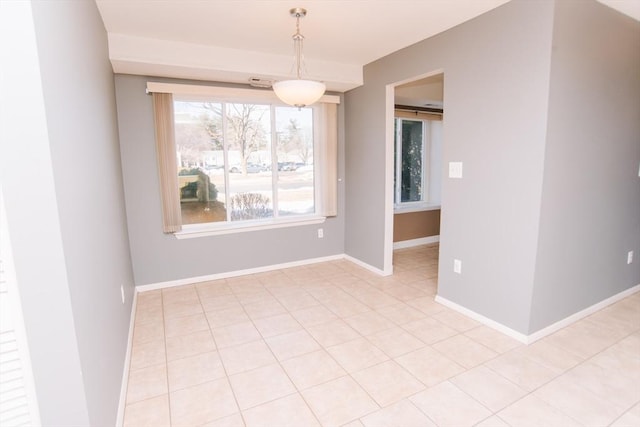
{"x":414,"y":135}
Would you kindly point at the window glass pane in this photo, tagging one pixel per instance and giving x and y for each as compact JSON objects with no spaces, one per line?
{"x":249,"y":161}
{"x":294,"y":149}
{"x":396,"y":161}
{"x":229,"y":169}
{"x":411,"y":175}
{"x":198,"y":128}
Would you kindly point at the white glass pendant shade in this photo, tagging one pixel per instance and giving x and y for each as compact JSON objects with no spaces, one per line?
{"x":299,"y":93}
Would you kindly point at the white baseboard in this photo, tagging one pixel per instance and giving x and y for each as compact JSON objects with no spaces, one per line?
{"x":368,"y":266}
{"x":528,"y":339}
{"x":525,"y":339}
{"x":191,"y":280}
{"x":127,"y":361}
{"x":581,"y":314}
{"x":484,"y":320}
{"x":416,"y":242}
{"x":236,"y":273}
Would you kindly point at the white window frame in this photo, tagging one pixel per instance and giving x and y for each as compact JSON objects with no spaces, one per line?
{"x":235,"y":95}
{"x":424,"y":190}
{"x":276,"y":221}
{"x":425,"y":204}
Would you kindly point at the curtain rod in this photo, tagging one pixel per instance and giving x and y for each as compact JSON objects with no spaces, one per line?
{"x":419,"y":109}
{"x":223,"y":92}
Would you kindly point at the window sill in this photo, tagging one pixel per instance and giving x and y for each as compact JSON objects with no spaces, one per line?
{"x":415,"y":208}
{"x":204,"y":230}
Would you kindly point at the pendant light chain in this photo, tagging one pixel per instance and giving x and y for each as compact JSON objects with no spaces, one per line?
{"x":299,"y":92}
{"x":298,"y":38}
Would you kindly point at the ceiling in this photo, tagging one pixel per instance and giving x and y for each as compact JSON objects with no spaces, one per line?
{"x":424,"y":92}
{"x":233,"y":40}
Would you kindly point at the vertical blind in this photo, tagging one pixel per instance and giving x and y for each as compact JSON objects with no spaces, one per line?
{"x":328,"y":154}
{"x":167,"y":163}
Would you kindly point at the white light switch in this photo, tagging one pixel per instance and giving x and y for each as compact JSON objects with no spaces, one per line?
{"x":457,"y":266}
{"x":455,"y":169}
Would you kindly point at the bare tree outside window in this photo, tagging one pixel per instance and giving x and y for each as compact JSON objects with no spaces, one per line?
{"x":212,"y":124}
{"x":295,"y":161}
{"x":296,"y":140}
{"x":191,"y":140}
{"x":246,"y":131}
{"x":215,"y":141}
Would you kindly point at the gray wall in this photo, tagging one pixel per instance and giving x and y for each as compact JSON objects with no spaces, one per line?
{"x":590,"y":212}
{"x":543,"y":109}
{"x":159,"y":257}
{"x":61,"y":178}
{"x":496,"y":69}
{"x":365,"y":166}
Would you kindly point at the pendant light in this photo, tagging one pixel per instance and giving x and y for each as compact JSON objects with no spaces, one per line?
{"x":298,"y":92}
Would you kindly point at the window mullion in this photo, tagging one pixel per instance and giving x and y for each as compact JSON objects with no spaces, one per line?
{"x":274,"y":161}
{"x":209,"y":136}
{"x":398,"y":161}
{"x":319,"y":163}
{"x":426,"y":148}
{"x":225,"y":153}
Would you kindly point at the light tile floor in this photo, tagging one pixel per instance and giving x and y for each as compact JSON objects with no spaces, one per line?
{"x":332,"y":344}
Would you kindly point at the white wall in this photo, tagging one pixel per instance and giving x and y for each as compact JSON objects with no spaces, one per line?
{"x":590,"y":210}
{"x":435,"y":163}
{"x":34,"y":225}
{"x":543,"y":110}
{"x":69,"y":234}
{"x":496,"y":70}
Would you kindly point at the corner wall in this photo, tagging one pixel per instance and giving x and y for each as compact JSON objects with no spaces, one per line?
{"x":62,"y":183}
{"x":496,"y":69}
{"x":159,"y":257}
{"x":590,"y":211}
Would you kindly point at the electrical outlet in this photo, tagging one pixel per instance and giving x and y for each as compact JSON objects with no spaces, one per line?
{"x":629,"y":257}
{"x":320,"y":233}
{"x":457,"y":266}
{"x":122,"y":292}
{"x":455,"y":169}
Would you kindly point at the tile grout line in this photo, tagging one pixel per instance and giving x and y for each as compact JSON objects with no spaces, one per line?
{"x":224,"y":368}
{"x":166,"y":357}
{"x":351,"y":289}
{"x":298,"y":391}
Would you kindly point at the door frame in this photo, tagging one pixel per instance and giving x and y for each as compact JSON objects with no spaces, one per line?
{"x":390,"y":90}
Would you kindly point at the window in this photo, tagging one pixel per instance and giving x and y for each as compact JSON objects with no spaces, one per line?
{"x":242,"y":161}
{"x":417,"y":163}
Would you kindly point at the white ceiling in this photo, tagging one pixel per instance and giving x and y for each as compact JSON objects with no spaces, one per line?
{"x":232,"y":40}
{"x":425,"y":92}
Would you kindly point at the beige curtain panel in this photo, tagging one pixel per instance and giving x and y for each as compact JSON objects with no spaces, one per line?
{"x":166,"y":153}
{"x":328,"y":153}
